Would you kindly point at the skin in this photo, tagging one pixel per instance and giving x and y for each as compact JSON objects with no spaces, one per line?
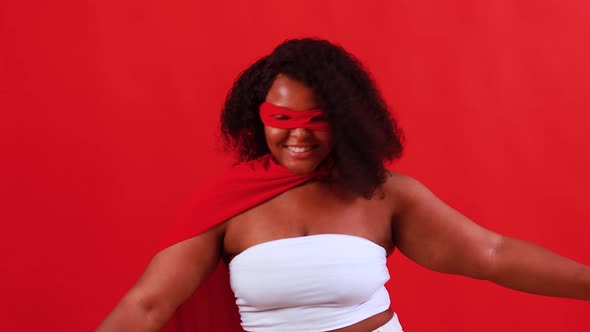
{"x":407,"y":216}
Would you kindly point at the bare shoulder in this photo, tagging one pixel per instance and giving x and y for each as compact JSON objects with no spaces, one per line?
{"x":397,"y":180}
{"x":206,"y":242}
{"x":404,"y":189}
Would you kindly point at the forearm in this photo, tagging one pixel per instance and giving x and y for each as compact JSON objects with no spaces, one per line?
{"x":527,"y":267}
{"x":133,"y":315}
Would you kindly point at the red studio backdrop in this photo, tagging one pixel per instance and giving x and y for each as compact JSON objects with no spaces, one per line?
{"x":109,"y":120}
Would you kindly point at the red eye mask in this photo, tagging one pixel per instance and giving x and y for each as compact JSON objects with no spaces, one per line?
{"x":280,"y":117}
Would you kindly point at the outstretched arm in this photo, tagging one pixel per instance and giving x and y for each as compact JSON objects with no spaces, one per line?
{"x":169,"y":280}
{"x":436,"y":236}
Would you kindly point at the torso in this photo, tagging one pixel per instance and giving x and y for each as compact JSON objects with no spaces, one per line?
{"x":316,"y":208}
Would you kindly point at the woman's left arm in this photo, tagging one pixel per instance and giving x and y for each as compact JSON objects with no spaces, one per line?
{"x":436,"y":236}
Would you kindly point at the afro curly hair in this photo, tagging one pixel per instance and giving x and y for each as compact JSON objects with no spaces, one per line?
{"x":365,"y":134}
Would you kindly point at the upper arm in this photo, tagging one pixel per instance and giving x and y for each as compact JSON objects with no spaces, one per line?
{"x":435,"y":235}
{"x":174,"y":273}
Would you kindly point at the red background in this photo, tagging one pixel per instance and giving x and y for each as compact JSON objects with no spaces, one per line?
{"x":109,"y":114}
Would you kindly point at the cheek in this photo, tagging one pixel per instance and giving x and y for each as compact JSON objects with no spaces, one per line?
{"x":274,"y":135}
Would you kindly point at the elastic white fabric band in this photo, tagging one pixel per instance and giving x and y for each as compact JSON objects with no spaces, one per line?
{"x":319,"y":282}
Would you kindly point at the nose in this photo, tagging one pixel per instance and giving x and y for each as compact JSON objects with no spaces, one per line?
{"x":300,"y":132}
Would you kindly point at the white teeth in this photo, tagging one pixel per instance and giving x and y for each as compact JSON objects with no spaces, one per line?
{"x":298,"y":149}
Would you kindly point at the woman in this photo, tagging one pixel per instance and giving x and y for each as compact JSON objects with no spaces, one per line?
{"x":315,"y":215}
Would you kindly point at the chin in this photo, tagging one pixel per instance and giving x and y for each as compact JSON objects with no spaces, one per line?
{"x":297,"y":168}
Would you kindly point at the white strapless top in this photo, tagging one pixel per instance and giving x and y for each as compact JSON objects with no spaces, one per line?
{"x":311,"y":283}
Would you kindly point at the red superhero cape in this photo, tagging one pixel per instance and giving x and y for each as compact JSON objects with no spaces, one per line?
{"x":212,"y":308}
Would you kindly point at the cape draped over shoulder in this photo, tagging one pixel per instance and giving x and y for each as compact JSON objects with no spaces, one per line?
{"x":212,"y":308}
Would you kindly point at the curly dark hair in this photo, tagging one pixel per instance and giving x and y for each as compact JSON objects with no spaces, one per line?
{"x":365,"y":134}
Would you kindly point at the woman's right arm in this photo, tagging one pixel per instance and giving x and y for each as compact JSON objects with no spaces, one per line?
{"x":169,"y":280}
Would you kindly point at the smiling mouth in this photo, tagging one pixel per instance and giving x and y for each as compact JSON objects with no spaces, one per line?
{"x":300,"y":148}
